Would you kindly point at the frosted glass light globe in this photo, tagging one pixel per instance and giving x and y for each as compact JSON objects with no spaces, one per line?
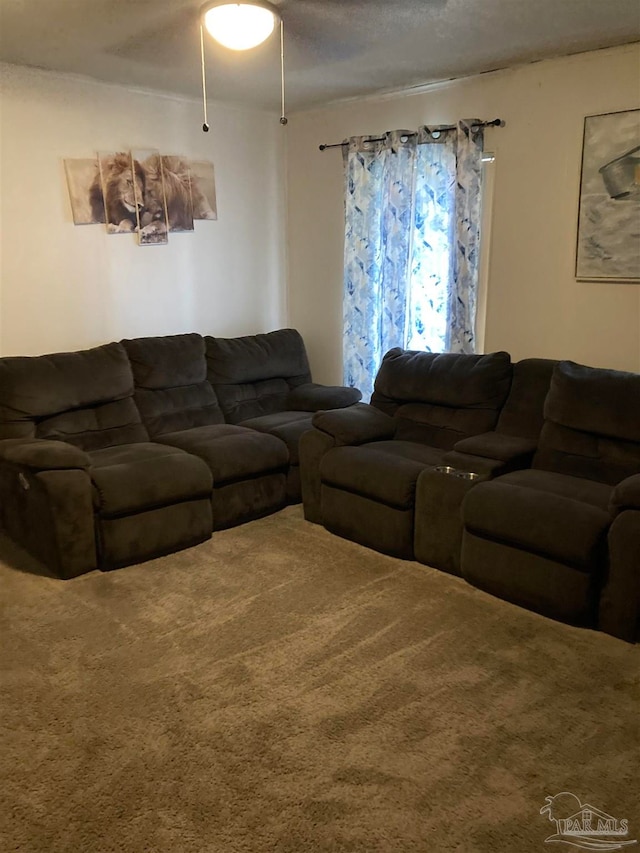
{"x":239,"y":26}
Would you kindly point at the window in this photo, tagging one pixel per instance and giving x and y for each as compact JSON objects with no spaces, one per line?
{"x":411,"y":245}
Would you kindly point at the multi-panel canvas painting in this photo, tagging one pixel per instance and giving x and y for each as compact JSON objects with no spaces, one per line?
{"x":141,"y":191}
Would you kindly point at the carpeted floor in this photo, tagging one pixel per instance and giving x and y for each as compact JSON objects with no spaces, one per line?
{"x":279,"y":689}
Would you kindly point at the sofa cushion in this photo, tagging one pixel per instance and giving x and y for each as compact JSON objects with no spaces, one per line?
{"x":252,"y":399}
{"x":82,"y":397}
{"x":440,"y":398}
{"x":168,"y":361}
{"x":172,"y":391}
{"x":592,"y":424}
{"x":575,"y":488}
{"x":591,"y":399}
{"x":137,"y":477}
{"x":287,"y":426}
{"x":557,"y":516}
{"x":253,"y":375}
{"x":108,"y":425}
{"x":386,"y":471}
{"x":279,"y":354}
{"x":441,"y":426}
{"x":231,"y":452}
{"x":456,"y":380}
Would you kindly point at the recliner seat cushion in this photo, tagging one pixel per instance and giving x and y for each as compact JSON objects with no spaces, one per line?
{"x":172,"y":391}
{"x":84,"y":398}
{"x":231,"y":452}
{"x":287,"y":426}
{"x":564,"y":518}
{"x":131,"y":478}
{"x":385,"y":471}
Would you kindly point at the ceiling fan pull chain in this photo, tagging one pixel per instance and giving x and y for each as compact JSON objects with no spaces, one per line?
{"x":283,"y":118}
{"x":205,"y":126}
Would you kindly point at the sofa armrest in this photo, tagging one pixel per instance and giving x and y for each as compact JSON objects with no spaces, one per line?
{"x":487,"y":468}
{"x":39,"y":454}
{"x":626,"y":495}
{"x":42,"y":479}
{"x":356,"y":425}
{"x":495,"y":445}
{"x":312,"y":448}
{"x":315,"y":398}
{"x":619,"y":609}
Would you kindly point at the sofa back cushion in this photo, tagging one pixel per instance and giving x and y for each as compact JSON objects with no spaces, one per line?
{"x":592,"y":424}
{"x":171,"y":388}
{"x":84,"y":398}
{"x":440,"y":398}
{"x":523,"y":412}
{"x":253,"y":375}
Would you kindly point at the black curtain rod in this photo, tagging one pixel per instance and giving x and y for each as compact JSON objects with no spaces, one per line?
{"x":497,"y":122}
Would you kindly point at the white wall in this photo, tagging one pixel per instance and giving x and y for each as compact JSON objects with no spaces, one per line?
{"x":64,"y":287}
{"x":535,"y":307}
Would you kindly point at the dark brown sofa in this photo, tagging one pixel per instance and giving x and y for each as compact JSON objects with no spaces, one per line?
{"x":121,"y":453}
{"x":361,"y":468}
{"x":562,"y":537}
{"x":550,"y":516}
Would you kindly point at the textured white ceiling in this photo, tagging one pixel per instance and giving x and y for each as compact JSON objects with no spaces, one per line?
{"x":334,"y":48}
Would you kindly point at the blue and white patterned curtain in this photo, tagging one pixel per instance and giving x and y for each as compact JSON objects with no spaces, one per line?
{"x":412,"y":237}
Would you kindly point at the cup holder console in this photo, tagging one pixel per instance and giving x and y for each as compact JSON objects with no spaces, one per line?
{"x":456,"y":472}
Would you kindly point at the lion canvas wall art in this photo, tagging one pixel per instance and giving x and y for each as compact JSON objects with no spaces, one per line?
{"x":118,"y":191}
{"x":151,"y":206}
{"x":81,"y":175}
{"x":204,"y":190}
{"x":142,"y":192}
{"x":177,"y":186}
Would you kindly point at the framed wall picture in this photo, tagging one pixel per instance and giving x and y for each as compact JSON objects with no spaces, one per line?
{"x":608,"y":244}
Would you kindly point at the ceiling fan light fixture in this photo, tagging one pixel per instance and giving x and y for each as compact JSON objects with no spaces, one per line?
{"x":240,"y":26}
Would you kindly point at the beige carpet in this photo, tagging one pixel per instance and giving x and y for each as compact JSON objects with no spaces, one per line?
{"x":279,"y":689}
